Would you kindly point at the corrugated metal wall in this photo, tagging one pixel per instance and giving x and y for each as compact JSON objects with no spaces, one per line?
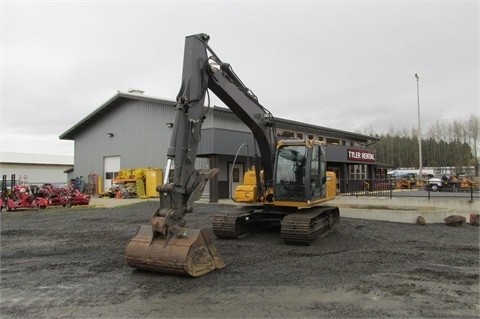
{"x":35,"y":174}
{"x":217,"y":118}
{"x":140,"y":137}
{"x":223,"y":142}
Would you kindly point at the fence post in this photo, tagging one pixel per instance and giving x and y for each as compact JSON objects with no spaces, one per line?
{"x":428,"y":189}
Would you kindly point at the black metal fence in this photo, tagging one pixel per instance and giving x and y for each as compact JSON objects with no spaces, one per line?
{"x":390,"y":188}
{"x":370,"y":187}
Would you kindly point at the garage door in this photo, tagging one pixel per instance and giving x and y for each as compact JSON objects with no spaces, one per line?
{"x":111,"y":166}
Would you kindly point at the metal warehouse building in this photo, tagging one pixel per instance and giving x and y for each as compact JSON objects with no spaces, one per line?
{"x":35,"y":168}
{"x":133,"y":130}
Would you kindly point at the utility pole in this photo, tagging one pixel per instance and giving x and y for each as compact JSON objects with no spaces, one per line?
{"x":419,"y":129}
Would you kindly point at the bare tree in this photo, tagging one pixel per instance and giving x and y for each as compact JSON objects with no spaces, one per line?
{"x":473,"y":126}
{"x":446,"y":144}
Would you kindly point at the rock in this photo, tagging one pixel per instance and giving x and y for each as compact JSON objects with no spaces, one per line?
{"x":455,"y":220}
{"x":474,"y":219}
{"x":420,"y":220}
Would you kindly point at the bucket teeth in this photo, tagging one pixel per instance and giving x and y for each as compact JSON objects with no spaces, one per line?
{"x":189,"y":252}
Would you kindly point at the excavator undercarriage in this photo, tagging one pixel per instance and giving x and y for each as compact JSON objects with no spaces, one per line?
{"x":298,"y":226}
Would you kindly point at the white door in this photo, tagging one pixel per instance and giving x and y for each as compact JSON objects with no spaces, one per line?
{"x":111,"y":166}
{"x":235,"y":177}
{"x":201,"y":162}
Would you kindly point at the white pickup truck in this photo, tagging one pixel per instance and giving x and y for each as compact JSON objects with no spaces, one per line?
{"x":435,"y":184}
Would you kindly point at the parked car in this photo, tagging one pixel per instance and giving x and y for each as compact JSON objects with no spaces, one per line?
{"x":435,"y":184}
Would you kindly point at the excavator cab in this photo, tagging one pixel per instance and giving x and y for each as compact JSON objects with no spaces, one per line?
{"x":290,"y":199}
{"x":300,"y":177}
{"x":300,"y":172}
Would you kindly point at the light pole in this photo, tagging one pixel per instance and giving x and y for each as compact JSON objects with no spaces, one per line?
{"x":419,"y":129}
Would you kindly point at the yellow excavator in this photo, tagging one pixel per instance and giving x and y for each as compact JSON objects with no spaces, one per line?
{"x":285,"y":185}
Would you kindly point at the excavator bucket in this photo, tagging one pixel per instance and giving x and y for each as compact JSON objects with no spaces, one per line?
{"x":187,"y":252}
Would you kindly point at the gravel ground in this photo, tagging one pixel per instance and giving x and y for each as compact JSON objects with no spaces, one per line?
{"x":69,"y":263}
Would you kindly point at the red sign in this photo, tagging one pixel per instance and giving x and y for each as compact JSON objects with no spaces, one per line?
{"x":359,"y":155}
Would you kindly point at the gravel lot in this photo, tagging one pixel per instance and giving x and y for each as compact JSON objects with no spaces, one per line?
{"x":69,"y":263}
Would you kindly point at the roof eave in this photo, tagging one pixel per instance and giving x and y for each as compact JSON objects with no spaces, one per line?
{"x":70,"y":133}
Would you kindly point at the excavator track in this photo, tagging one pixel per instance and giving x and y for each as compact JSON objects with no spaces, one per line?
{"x":243,"y":222}
{"x":300,"y":228}
{"x":303,"y":227}
{"x":230,"y":226}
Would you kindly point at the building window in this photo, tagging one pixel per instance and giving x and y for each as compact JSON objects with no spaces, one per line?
{"x":111,"y":175}
{"x":358,"y":171}
{"x":300,"y":135}
{"x":285,"y":134}
{"x":236,"y":175}
{"x":334,"y":141}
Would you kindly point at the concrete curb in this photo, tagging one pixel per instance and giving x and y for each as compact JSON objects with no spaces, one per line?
{"x":105,"y":202}
{"x":401,"y":210}
{"x":405,"y":209}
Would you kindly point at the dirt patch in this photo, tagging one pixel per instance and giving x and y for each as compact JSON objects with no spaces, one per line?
{"x":69,"y":263}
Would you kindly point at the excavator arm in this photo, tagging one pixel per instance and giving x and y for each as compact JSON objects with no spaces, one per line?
{"x":198,"y":76}
{"x":228,"y":87}
{"x":177,"y":197}
{"x":167,"y":246}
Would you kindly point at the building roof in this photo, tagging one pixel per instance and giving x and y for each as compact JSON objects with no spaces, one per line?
{"x":314,"y":127}
{"x":105,"y":107}
{"x":30,"y":158}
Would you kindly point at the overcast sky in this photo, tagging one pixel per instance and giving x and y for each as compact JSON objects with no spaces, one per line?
{"x":347,"y":65}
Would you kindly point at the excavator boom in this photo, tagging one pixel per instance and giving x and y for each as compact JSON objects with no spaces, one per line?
{"x":167,"y":245}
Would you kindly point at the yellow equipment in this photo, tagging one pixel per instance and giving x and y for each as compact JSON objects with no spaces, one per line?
{"x":285,"y":187}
